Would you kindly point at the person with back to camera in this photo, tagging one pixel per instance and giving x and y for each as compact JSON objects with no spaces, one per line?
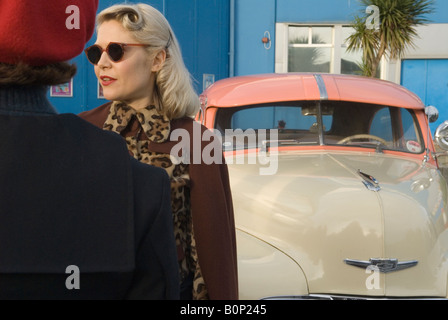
{"x":79,"y":217}
{"x":138,"y":62}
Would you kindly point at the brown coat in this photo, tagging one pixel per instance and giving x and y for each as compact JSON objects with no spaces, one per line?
{"x":211,"y":206}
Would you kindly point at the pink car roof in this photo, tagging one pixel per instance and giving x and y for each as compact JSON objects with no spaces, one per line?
{"x":276,"y":87}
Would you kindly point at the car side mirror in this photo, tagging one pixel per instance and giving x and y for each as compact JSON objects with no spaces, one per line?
{"x":432,"y":113}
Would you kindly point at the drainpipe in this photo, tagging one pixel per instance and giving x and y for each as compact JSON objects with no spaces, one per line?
{"x":232,"y":39}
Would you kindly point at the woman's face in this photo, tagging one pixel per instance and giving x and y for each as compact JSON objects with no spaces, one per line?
{"x":132,"y":79}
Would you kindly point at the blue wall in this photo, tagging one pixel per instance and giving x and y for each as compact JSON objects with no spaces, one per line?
{"x":252,"y":19}
{"x":202,"y":27}
{"x":440,"y":15}
{"x":322,"y":11}
{"x":428,"y":78}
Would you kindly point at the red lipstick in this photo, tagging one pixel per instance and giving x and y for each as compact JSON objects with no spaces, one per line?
{"x":106,"y":80}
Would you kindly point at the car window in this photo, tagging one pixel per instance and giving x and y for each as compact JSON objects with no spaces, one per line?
{"x":290,"y":123}
{"x":339,"y":123}
{"x":382,"y":127}
{"x":275,"y":117}
{"x":410,"y":130}
{"x":405,"y":129}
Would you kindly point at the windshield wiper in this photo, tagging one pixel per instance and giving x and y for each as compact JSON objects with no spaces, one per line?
{"x":379,"y":147}
{"x":267,"y":143}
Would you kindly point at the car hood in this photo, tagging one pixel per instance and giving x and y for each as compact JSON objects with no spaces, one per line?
{"x":317,"y":210}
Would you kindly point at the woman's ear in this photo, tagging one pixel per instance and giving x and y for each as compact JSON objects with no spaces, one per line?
{"x":158,"y":61}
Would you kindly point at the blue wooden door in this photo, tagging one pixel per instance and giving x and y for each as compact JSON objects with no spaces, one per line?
{"x":428,"y":78}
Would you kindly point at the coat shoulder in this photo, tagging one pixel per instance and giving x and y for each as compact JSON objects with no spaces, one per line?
{"x":98,"y":115}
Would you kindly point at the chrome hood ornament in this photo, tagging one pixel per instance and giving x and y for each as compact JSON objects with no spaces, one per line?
{"x":382,"y":264}
{"x":369,"y":181}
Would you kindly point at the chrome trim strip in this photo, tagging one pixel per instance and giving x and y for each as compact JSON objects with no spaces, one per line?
{"x":321,"y":85}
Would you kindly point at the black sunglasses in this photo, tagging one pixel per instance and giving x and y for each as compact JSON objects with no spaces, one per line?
{"x":114,"y":50}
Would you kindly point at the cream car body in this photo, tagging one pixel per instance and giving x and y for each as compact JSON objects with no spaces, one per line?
{"x":334,"y":220}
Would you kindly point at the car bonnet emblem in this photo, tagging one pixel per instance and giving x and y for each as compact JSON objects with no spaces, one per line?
{"x":383,"y":264}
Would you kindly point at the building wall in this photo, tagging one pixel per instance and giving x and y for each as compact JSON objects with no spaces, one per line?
{"x":254,"y":19}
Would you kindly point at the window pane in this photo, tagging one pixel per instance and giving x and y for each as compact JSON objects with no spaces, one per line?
{"x":373,"y":126}
{"x":272,"y":117}
{"x":346,"y":32}
{"x":382,"y":124}
{"x":410,"y":133}
{"x":298,"y":35}
{"x":310,"y":59}
{"x":292,"y":123}
{"x":350,"y":61}
{"x":322,"y":35}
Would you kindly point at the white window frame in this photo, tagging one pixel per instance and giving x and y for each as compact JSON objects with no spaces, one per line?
{"x":282,"y":45}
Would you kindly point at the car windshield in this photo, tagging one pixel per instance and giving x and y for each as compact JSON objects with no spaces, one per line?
{"x":335,"y":123}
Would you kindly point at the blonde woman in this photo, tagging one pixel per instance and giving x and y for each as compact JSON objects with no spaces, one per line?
{"x":138,"y":62}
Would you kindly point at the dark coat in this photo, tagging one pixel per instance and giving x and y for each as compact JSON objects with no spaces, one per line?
{"x":211,"y":206}
{"x":70,"y":195}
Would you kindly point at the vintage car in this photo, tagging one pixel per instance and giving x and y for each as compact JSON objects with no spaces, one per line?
{"x":336,"y":186}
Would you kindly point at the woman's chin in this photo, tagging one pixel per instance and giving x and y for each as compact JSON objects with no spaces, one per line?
{"x":109,"y":96}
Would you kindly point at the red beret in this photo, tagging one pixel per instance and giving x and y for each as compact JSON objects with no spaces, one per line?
{"x":40,"y":32}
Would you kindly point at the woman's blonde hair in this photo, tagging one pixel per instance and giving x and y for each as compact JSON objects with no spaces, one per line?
{"x":174,"y":89}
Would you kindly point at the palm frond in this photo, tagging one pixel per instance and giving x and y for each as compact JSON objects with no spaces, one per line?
{"x":397,"y":31}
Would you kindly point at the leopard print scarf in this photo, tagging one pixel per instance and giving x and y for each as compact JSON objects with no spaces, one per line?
{"x":138,"y":127}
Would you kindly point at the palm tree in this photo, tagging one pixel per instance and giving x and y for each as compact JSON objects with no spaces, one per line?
{"x":396,"y":32}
